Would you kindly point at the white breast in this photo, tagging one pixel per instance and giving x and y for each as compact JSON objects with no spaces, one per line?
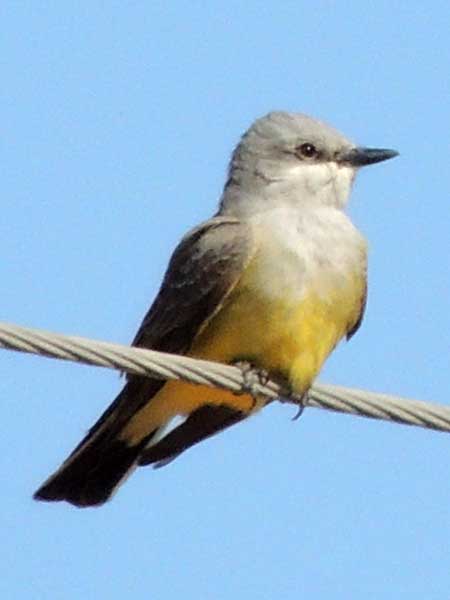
{"x":303,"y":250}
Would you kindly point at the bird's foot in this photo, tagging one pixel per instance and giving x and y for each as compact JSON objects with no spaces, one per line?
{"x":253,"y":377}
{"x":301,"y":406}
{"x":300,"y":402}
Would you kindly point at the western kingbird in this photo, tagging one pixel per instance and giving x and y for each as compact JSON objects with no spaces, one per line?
{"x":274,"y":280}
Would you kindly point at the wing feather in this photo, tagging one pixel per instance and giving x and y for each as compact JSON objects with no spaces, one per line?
{"x":203,"y":270}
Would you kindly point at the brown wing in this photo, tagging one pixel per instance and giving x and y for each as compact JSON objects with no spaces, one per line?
{"x":203,"y":270}
{"x":354,"y":328}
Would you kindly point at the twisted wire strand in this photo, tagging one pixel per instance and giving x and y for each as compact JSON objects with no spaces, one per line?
{"x":170,"y":366}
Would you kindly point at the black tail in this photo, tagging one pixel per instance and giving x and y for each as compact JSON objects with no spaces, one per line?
{"x":201,"y":424}
{"x":92,"y":476}
{"x":102,"y":461}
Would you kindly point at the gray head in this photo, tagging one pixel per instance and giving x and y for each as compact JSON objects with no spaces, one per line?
{"x":289,"y":157}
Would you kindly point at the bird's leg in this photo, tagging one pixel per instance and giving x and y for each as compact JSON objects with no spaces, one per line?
{"x":301,"y":406}
{"x":300,"y":403}
{"x":253,"y":377}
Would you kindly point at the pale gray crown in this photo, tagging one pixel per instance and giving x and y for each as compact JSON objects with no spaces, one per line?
{"x":294,"y":155}
{"x":278,"y":137}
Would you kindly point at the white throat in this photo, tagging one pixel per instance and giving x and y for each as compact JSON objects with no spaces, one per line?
{"x":298,"y":186}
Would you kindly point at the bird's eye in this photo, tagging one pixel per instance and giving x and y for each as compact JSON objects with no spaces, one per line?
{"x":306,"y":151}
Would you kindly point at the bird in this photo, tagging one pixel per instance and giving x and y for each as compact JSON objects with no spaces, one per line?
{"x":272,"y":281}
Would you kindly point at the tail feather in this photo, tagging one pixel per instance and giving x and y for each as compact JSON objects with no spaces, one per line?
{"x":102,"y":461}
{"x":201,"y":424}
{"x":92,"y":476}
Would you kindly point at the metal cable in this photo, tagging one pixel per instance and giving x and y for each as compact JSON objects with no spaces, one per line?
{"x":170,"y":366}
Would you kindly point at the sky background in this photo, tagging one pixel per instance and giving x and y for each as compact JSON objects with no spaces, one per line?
{"x":117,"y":121}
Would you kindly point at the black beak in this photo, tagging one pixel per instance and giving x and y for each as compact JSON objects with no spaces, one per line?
{"x":360,"y":157}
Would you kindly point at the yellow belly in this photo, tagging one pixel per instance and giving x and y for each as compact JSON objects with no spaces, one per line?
{"x":286,"y":335}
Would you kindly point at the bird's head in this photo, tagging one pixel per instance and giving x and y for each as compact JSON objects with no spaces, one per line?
{"x":290,"y":157}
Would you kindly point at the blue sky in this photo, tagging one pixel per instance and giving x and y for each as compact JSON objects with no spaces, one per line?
{"x":117,"y":123}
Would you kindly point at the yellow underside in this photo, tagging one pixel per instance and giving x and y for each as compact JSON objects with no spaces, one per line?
{"x":285,"y":337}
